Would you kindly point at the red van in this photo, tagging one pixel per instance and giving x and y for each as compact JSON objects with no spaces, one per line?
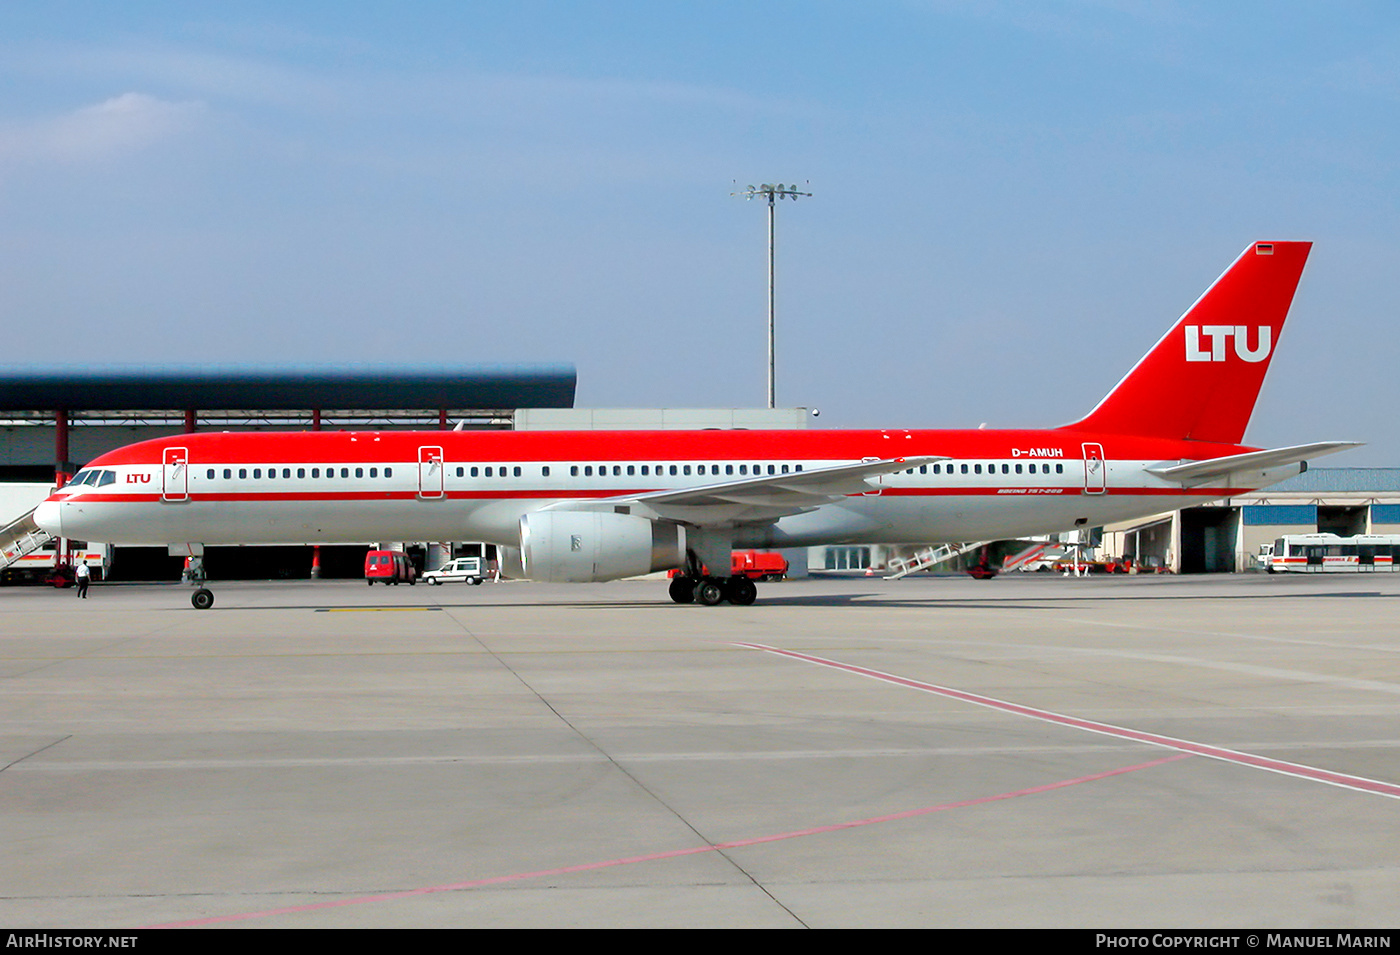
{"x":389,"y":567}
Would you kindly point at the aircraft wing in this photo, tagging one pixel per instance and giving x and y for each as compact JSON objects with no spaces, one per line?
{"x":1253,"y":462}
{"x":756,"y":499}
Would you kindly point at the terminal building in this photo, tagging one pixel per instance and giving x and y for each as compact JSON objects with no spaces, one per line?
{"x":1226,"y":536}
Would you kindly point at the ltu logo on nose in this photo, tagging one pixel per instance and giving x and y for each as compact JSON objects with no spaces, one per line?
{"x":1215,"y":336}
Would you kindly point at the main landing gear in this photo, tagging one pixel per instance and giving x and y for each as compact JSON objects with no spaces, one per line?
{"x":709,"y":591}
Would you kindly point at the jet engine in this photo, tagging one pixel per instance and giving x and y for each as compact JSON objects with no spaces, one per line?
{"x":583,"y":546}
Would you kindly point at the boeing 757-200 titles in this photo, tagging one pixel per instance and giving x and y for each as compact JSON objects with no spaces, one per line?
{"x":593,"y":506}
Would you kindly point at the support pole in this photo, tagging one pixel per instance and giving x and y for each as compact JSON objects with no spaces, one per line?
{"x":772,"y":193}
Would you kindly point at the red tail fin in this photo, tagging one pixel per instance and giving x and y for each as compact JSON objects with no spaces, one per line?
{"x":1201,"y":380}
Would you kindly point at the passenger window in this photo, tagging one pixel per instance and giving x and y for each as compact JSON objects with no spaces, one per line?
{"x":228,"y":473}
{"x":360,"y":472}
{"x":573,"y":471}
{"x":242,"y":474}
{"x":345,"y":472}
{"x":545,"y":471}
{"x":516,"y":471}
{"x":210,"y":474}
{"x":257,"y":473}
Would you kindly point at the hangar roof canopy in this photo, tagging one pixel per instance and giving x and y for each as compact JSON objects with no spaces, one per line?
{"x":284,"y":387}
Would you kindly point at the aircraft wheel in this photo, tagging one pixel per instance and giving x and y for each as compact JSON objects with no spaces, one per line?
{"x":682,"y":590}
{"x":202,"y":599}
{"x":741,"y":591}
{"x":708,"y":592}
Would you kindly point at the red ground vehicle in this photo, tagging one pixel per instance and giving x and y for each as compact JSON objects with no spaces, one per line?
{"x":753,"y":564}
{"x":389,"y":567}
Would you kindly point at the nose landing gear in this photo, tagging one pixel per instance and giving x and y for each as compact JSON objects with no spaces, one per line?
{"x":203,"y":597}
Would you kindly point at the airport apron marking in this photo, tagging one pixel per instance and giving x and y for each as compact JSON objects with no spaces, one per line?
{"x":675,"y":853}
{"x":1359,"y":783}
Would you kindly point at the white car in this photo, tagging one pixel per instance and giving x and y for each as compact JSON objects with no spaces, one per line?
{"x":465,"y":569}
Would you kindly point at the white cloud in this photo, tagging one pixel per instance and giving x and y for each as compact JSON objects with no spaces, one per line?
{"x":115,"y":127}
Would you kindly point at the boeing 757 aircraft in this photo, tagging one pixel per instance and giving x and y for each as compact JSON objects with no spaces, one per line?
{"x":593,"y":506}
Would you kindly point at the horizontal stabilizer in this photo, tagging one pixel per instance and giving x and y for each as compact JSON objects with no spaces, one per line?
{"x":1199,"y":472}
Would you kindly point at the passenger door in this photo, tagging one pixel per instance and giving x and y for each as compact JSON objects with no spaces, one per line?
{"x":175,"y":475}
{"x":1095,"y":469}
{"x":430,"y":473}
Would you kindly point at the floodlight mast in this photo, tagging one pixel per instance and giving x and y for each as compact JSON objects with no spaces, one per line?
{"x":771,"y":193}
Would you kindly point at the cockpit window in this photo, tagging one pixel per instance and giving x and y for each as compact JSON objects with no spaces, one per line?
{"x":106,"y":477}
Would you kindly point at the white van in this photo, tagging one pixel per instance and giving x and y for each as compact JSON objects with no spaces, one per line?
{"x":465,"y":569}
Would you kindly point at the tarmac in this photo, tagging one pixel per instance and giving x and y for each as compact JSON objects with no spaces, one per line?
{"x":1031,"y":751}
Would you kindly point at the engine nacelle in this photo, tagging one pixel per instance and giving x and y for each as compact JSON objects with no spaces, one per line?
{"x":585,"y":546}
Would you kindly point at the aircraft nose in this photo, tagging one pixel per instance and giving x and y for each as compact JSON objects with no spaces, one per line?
{"x":48,"y":516}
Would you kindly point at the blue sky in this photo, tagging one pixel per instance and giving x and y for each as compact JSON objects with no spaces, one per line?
{"x":1012,"y":200}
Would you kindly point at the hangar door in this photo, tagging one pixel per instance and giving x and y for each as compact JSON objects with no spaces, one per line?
{"x":1208,"y":536}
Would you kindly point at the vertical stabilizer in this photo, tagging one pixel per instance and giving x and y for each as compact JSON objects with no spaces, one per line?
{"x":1201,"y":380}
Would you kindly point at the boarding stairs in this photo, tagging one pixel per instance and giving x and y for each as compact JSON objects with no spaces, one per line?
{"x":21,"y":536}
{"x":1046,"y":548}
{"x":929,"y":557}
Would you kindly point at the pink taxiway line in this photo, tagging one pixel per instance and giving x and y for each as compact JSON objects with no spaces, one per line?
{"x":1359,"y":783}
{"x":672,"y":854}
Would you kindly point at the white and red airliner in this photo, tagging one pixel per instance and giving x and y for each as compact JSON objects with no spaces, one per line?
{"x":593,"y":506}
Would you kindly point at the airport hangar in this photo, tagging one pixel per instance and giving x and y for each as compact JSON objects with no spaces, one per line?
{"x":54,"y":419}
